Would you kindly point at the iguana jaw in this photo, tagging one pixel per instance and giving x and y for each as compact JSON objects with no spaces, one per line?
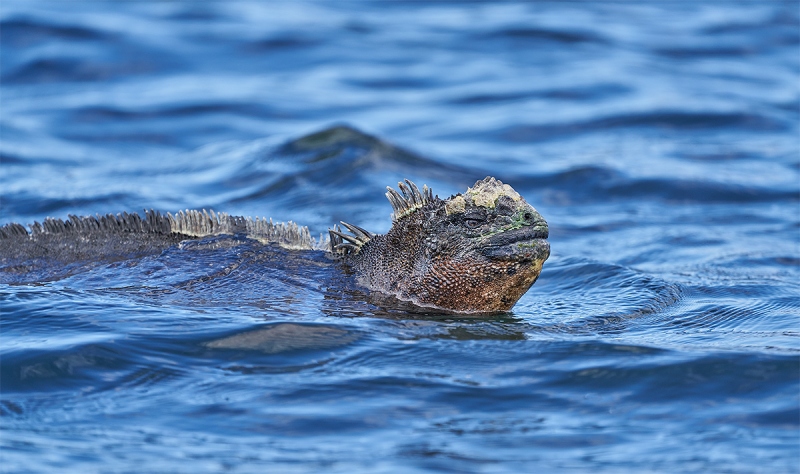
{"x":528,"y":242}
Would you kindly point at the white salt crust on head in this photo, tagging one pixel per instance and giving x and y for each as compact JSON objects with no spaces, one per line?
{"x":485,"y":194}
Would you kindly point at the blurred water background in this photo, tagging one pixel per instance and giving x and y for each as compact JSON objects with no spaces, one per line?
{"x":659,"y":140}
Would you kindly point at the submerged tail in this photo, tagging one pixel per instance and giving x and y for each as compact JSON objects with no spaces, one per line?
{"x":130,"y":234}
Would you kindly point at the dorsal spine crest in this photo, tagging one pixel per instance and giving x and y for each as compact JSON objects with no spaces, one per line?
{"x":344,"y":244}
{"x":207,"y":223}
{"x":189,"y":223}
{"x":408,"y":202}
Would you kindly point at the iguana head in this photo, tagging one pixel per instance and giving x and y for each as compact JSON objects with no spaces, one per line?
{"x":477,"y":251}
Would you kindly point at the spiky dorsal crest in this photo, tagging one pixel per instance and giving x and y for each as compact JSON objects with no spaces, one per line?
{"x":207,"y":223}
{"x":344,"y":244}
{"x":153,"y":223}
{"x":408,"y":202}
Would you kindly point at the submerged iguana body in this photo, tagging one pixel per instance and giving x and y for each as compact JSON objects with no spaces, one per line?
{"x":478,"y":251}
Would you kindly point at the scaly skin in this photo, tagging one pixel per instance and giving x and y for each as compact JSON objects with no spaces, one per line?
{"x":472,"y":253}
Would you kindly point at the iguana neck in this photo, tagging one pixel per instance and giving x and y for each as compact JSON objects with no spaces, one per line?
{"x":391,"y":262}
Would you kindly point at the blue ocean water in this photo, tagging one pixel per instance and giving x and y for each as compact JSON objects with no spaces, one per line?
{"x":659,"y":140}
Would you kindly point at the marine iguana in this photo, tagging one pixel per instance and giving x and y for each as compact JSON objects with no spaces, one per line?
{"x":477,"y":251}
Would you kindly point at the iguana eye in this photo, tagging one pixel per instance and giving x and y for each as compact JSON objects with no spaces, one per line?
{"x":472,"y":223}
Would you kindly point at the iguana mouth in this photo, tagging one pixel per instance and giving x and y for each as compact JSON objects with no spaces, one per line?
{"x":518,"y":235}
{"x":511,"y":243}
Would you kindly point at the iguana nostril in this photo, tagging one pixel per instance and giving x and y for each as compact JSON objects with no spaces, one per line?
{"x":528,"y":218}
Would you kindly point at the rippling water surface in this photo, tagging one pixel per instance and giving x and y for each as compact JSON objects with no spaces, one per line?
{"x":660,"y":141}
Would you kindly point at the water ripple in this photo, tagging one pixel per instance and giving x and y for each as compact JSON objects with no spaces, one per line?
{"x":659,"y":140}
